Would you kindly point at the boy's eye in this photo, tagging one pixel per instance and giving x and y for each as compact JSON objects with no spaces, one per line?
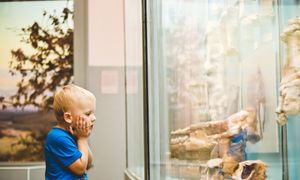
{"x":88,"y":113}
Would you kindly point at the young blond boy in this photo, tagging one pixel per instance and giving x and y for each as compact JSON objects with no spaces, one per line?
{"x":67,"y":152}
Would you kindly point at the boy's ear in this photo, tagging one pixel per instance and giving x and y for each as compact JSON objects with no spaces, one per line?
{"x":68,"y":117}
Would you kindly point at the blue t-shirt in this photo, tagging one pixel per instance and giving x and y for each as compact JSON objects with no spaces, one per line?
{"x":61,"y":151}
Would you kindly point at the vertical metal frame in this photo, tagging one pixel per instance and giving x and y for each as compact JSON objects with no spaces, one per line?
{"x":145,"y":90}
{"x":283,"y":129}
{"x":127,"y":174}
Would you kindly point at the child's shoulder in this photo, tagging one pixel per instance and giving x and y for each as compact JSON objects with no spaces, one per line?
{"x":55,"y":133}
{"x":57,"y":136}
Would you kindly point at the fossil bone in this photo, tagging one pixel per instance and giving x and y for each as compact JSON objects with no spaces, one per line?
{"x":289,"y":97}
{"x":248,"y":170}
{"x":216,"y":139}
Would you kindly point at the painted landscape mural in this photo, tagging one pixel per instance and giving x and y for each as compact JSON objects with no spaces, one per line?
{"x":36,"y":57}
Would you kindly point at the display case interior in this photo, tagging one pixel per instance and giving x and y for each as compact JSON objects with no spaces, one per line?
{"x":223,"y":83}
{"x":288,"y":106}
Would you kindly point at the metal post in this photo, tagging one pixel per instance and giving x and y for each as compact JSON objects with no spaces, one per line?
{"x":283,"y":129}
{"x":284,"y":155}
{"x":145,"y":91}
{"x":28,"y":174}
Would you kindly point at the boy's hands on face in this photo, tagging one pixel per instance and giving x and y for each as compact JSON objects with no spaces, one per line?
{"x":81,"y":128}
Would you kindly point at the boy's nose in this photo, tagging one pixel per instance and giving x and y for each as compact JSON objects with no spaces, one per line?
{"x":93,"y":118}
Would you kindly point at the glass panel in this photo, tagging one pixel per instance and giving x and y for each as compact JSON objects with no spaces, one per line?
{"x":213,"y":74}
{"x":134,"y":89}
{"x":290,"y":26}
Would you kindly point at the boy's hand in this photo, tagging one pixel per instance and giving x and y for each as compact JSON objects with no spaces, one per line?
{"x":81,"y":128}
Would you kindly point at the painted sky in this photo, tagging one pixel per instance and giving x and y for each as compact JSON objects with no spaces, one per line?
{"x":13,"y":17}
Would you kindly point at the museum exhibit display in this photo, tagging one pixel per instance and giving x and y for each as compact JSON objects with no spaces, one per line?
{"x":221,"y":88}
{"x":36,"y":58}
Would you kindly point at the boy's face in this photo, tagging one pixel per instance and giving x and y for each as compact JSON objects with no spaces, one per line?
{"x":83,"y":108}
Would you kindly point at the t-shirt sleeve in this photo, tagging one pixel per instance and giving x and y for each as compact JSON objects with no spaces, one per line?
{"x":65,"y":151}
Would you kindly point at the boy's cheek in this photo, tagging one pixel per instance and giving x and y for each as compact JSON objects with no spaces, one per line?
{"x":89,"y":120}
{"x":75,"y":122}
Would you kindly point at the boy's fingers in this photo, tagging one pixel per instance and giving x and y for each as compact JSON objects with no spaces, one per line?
{"x":71,"y":129}
{"x":82,"y":121}
{"x":83,"y":125}
{"x":78,"y":121}
{"x":86,"y":124}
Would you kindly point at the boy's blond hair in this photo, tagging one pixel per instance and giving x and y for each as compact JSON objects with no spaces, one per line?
{"x":67,"y":96}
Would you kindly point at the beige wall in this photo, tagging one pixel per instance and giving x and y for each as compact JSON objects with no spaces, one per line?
{"x":105,"y":32}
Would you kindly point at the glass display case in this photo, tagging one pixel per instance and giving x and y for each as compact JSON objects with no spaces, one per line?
{"x":221,"y":90}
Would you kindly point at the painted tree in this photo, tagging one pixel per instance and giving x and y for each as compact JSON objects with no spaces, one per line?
{"x":48,"y":67}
